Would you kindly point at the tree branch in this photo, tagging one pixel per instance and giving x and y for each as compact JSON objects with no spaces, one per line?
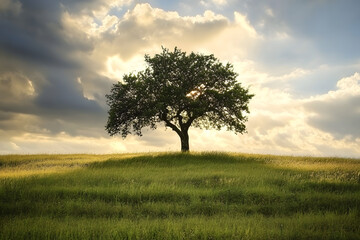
{"x":163,"y":117}
{"x":189,"y":122}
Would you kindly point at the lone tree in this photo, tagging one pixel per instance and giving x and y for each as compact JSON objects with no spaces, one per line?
{"x":180,"y":90}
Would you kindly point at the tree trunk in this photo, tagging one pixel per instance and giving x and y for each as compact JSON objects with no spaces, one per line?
{"x":182,"y":132}
{"x":184,"y":137}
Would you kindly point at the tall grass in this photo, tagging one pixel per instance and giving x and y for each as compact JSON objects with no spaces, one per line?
{"x":179,"y":196}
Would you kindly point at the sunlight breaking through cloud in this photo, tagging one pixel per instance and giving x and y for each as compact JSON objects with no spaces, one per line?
{"x":59,"y":59}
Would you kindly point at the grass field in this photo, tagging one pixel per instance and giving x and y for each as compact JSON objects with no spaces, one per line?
{"x":178,"y":196}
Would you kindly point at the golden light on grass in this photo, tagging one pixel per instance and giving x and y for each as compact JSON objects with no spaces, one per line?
{"x":13,"y":166}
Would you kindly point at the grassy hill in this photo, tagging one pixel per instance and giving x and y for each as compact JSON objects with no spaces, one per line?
{"x":178,"y":196}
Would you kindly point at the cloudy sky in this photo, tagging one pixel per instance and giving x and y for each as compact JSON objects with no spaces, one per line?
{"x":301,"y":59}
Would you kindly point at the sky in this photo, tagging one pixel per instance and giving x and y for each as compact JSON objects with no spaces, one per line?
{"x":301,"y":59}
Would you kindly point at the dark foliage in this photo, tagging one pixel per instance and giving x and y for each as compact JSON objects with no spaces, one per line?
{"x":180,"y":90}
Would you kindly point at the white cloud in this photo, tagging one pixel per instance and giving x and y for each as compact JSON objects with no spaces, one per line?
{"x":250,"y":76}
{"x":143,"y":30}
{"x":217,"y":3}
{"x":118,"y":42}
{"x":348,"y":86}
{"x":103,"y":8}
{"x":116,"y":67}
{"x":235,"y":42}
{"x":220,"y":2}
{"x":242,"y":22}
{"x":145,"y":26}
{"x":338,"y":112}
{"x":88,"y":25}
{"x":97,"y":22}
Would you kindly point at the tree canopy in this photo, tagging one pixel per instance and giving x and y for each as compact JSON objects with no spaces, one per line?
{"x":180,"y":90}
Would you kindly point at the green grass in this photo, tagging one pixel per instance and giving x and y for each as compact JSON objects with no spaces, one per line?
{"x":178,"y":196}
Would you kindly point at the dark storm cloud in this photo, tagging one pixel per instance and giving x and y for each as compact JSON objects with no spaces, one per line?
{"x":41,"y":65}
{"x":61,"y":94}
{"x":17,"y":43}
{"x":37,"y":34}
{"x":16,"y":92}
